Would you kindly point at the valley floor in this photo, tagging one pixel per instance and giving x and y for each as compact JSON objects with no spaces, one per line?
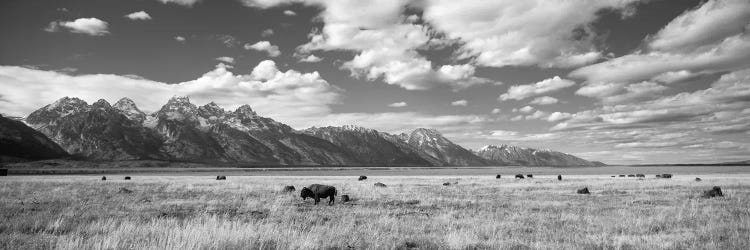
{"x":251,"y":212}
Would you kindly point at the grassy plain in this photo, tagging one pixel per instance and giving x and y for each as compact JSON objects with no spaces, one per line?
{"x":479,"y":212}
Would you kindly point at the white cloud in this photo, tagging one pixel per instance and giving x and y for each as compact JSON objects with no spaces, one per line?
{"x":226,"y":59}
{"x":674,"y":76}
{"x":508,"y":32}
{"x":180,"y":39}
{"x":459,"y":103}
{"x":89,"y":26}
{"x":290,"y":13}
{"x":186,"y":3}
{"x":271,"y":92}
{"x":140,"y":15}
{"x":520,"y":92}
{"x":708,"y":24}
{"x":311,"y":59}
{"x":397,"y":104}
{"x":713,"y":38}
{"x":544,"y":100}
{"x":558,"y":116}
{"x":496,"y":111}
{"x":525,"y":109}
{"x":266,"y":33}
{"x":272,"y":50}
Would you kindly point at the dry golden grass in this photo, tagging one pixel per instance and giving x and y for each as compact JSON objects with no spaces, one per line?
{"x":480,"y":212}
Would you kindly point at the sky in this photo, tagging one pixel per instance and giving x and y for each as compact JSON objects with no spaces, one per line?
{"x":618,"y":81}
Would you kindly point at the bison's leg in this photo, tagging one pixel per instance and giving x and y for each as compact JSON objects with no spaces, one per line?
{"x":332,"y":200}
{"x":317,"y":199}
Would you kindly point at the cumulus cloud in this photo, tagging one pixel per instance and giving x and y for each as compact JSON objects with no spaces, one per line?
{"x":140,"y":15}
{"x":272,"y":50}
{"x":186,"y":3}
{"x":520,"y":92}
{"x":459,"y":103}
{"x":311,"y":59}
{"x":496,"y":111}
{"x":226,"y":59}
{"x":397,"y":104}
{"x":510,"y":33}
{"x":266,"y":33}
{"x":712,"y":38}
{"x":290,"y":13}
{"x":674,"y":76}
{"x":89,"y":26}
{"x":544,"y":100}
{"x":180,"y":39}
{"x":708,"y":24}
{"x":270,"y":91}
{"x":558,"y":116}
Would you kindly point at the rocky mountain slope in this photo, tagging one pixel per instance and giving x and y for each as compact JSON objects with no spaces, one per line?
{"x":432,"y":143}
{"x":182,"y":131}
{"x":513,"y":155}
{"x":19,"y":142}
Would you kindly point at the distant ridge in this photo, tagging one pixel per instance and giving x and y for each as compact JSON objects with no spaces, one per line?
{"x":182,"y":131}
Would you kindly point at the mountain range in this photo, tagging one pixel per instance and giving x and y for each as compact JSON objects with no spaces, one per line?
{"x":182,"y":131}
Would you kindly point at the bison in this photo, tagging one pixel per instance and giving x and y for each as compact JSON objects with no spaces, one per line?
{"x":714,"y":192}
{"x":104,"y":178}
{"x":559,"y":177}
{"x":289,"y":189}
{"x":658,"y":176}
{"x":380,"y":184}
{"x":583,"y":191}
{"x":530,"y":175}
{"x":3,"y":172}
{"x":345,"y":198}
{"x":446,"y":183}
{"x":519,"y":176}
{"x":127,"y":177}
{"x":221,"y":178}
{"x":666,"y":176}
{"x":697,"y":179}
{"x":622,"y":175}
{"x":362,"y":178}
{"x":317,"y":191}
{"x":640,"y":175}
{"x":497,"y":176}
{"x":631,"y":175}
{"x":613,"y":176}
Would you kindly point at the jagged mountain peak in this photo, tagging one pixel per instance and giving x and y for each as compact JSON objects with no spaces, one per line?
{"x":125,"y":104}
{"x":516,"y":155}
{"x":245,"y":111}
{"x":211,"y":111}
{"x":101,"y":104}
{"x":66,"y":103}
{"x":127,"y":107}
{"x":427,"y":131}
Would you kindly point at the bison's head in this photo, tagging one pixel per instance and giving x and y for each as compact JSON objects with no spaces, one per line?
{"x":306,"y":192}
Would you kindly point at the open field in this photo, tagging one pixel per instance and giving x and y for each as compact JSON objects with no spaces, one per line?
{"x":250,"y":212}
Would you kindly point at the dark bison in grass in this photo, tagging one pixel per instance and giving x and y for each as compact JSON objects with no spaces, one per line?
{"x":362,"y":178}
{"x":665,"y":176}
{"x":631,"y":175}
{"x":289,"y":189}
{"x":104,"y":178}
{"x":583,"y":191}
{"x":559,"y":177}
{"x":317,"y":191}
{"x":127,"y":177}
{"x":714,"y":192}
{"x":221,"y":178}
{"x":497,"y":176}
{"x":519,"y":176}
{"x":622,"y":175}
{"x":697,"y":179}
{"x":3,"y":172}
{"x":530,"y":175}
{"x":380,"y":184}
{"x":640,"y":175}
{"x":345,"y":198}
{"x":446,"y":184}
